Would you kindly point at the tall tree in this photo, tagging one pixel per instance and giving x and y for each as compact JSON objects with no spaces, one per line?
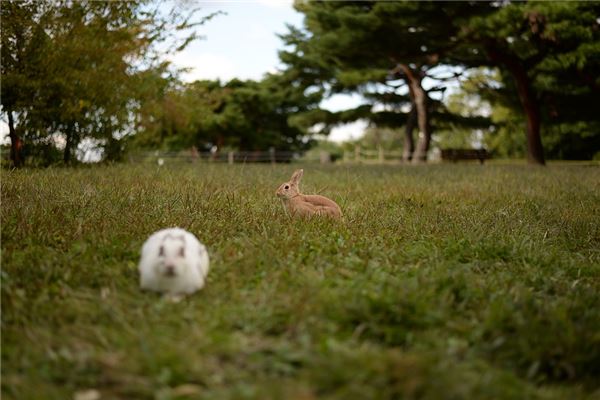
{"x":533,"y":43}
{"x":405,"y":39}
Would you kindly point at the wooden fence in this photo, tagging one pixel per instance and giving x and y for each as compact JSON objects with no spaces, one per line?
{"x":358,"y":155}
{"x":230,"y":157}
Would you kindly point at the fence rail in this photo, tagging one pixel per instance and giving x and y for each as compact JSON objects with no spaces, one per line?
{"x":230,"y":157}
{"x":358,"y":155}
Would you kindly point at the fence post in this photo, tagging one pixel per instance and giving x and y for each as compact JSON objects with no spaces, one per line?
{"x":272,"y":154}
{"x":194,"y":154}
{"x":230,"y":157}
{"x":357,"y":154}
{"x":381,"y":155}
{"x":324,"y":157}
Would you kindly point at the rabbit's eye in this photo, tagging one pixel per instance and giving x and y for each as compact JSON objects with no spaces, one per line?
{"x":182,"y":252}
{"x":161,"y":251}
{"x":287,"y":186}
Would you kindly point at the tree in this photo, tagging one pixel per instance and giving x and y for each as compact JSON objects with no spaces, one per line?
{"x":245,"y":115}
{"x":569,"y":128}
{"x":20,"y":50}
{"x":533,"y":44}
{"x":405,"y":41}
{"x":82,"y":80}
{"x":544,"y":47}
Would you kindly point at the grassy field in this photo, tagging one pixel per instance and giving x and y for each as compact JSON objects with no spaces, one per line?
{"x":443,"y":282}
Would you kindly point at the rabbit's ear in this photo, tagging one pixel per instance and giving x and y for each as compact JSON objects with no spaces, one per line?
{"x":296,"y":176}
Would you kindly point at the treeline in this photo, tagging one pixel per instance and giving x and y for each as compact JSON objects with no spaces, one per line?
{"x":95,"y":73}
{"x":83,"y":72}
{"x":542,"y":58}
{"x":242,"y":115}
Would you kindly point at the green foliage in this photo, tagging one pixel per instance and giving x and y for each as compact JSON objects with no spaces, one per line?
{"x":573,"y":140}
{"x":258,"y":115}
{"x":337,"y":53}
{"x":386,"y":138}
{"x":444,"y":281}
{"x":485,"y":91}
{"x":246,"y":115}
{"x":74,"y":70}
{"x":485,"y":118}
{"x":555,"y":44}
{"x":92,"y":72}
{"x":369,"y":48}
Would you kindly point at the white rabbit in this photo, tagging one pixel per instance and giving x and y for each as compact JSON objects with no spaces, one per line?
{"x":173,"y":262}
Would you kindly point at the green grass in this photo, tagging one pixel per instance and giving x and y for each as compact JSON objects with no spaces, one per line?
{"x":443,"y":281}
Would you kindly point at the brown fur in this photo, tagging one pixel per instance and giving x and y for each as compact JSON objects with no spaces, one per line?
{"x":305,"y":205}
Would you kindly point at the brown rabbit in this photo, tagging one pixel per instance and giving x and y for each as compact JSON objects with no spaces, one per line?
{"x":304,"y":205}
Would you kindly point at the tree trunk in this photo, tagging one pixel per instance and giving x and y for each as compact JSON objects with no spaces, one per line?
{"x":68,"y":144}
{"x":419,"y":97}
{"x":531,"y":106}
{"x":420,"y":154}
{"x":529,"y":101}
{"x":16,"y":144}
{"x":409,"y":143}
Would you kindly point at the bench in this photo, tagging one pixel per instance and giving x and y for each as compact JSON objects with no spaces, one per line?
{"x":465,"y":154}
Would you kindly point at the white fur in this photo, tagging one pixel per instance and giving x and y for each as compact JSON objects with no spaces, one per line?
{"x":187,"y":271}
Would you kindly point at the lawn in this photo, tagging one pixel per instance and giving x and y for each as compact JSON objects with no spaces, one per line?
{"x":442,"y":282}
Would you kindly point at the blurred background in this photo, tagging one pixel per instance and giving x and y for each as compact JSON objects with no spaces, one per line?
{"x":275,"y":81}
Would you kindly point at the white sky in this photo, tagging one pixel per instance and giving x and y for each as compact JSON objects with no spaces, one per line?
{"x":241,"y":44}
